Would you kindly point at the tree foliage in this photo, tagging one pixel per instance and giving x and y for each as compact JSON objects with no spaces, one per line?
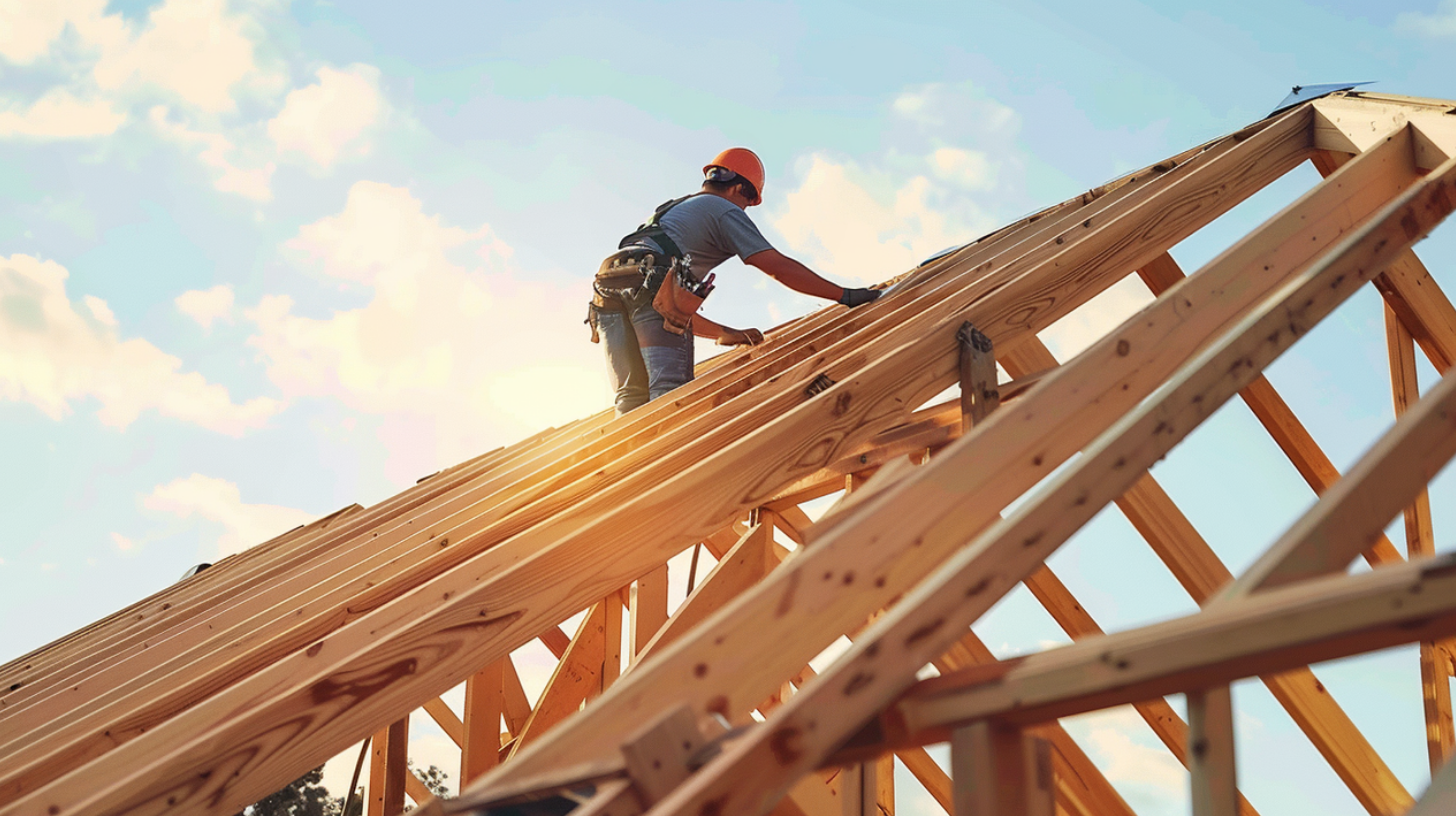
{"x":435,"y":779}
{"x":305,"y":796}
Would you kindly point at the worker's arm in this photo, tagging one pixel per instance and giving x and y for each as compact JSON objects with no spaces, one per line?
{"x":794,"y":275}
{"x":703,"y":327}
{"x":801,"y":278}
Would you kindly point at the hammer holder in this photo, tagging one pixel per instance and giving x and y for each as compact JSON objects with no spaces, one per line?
{"x":679,"y":297}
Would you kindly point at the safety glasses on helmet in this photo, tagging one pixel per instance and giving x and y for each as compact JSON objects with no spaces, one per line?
{"x":722,"y":175}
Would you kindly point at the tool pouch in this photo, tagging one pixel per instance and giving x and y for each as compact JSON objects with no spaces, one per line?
{"x":679,"y":298}
{"x":591,"y":320}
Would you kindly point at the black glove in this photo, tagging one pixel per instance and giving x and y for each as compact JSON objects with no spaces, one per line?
{"x":858,"y":297}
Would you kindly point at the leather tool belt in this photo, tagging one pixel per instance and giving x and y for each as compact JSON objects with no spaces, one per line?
{"x":623,"y":279}
{"x":637,"y":274}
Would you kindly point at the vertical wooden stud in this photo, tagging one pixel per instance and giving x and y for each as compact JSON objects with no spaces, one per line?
{"x":516,"y":706}
{"x":885,"y":785}
{"x":378,"y":755}
{"x":1420,"y":542}
{"x":857,"y":789}
{"x":1211,"y":752}
{"x":612,"y":640}
{"x":484,"y":703}
{"x":387,"y":769}
{"x":1041,"y":792}
{"x":649,"y":608}
{"x":996,"y":770}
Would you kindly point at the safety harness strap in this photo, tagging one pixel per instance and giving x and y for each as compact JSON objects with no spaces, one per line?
{"x":652,"y":229}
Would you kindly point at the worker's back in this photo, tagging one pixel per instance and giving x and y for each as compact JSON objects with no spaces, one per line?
{"x":712,"y":229}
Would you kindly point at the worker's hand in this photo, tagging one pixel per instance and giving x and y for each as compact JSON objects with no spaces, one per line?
{"x":858,"y":297}
{"x":740,"y":337}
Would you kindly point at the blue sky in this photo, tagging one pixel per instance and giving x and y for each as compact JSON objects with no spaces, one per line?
{"x":261,"y":260}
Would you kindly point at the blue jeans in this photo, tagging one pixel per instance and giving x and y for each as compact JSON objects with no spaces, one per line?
{"x":644,"y":359}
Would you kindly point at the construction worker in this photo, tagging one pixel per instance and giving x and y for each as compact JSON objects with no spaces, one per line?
{"x":646,"y":295}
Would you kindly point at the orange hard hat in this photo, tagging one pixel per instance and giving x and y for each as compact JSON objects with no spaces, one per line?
{"x":745,"y":163}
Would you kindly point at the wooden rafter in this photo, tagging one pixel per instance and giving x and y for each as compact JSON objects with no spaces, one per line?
{"x":971,"y":579}
{"x":222,"y":688}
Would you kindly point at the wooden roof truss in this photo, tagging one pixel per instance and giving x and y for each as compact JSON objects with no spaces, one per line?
{"x":228,"y":685}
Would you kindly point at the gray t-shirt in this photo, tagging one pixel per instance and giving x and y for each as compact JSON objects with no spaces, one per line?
{"x":712,"y":229}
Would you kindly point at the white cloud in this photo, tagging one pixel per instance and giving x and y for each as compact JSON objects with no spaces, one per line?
{"x":449,"y":358}
{"x":845,"y":228}
{"x":383,"y":238}
{"x":29,"y":29}
{"x":327,"y":120}
{"x":192,"y":49}
{"x":955,"y":108}
{"x":1129,"y":761}
{"x":946,"y":176}
{"x":207,"y":305}
{"x":1441,"y":23}
{"x":218,"y":152}
{"x":100,"y":311}
{"x":219,"y":501}
{"x":970,"y":169}
{"x":1132,"y":759}
{"x":122,"y":542}
{"x":1072,"y":334}
{"x":52,"y":354}
{"x":60,"y":115}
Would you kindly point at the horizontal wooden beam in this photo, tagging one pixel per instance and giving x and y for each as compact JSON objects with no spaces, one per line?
{"x":1353,"y":123}
{"x":1322,"y":619}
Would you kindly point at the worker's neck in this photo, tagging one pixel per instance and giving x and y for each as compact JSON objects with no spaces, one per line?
{"x":732,"y":195}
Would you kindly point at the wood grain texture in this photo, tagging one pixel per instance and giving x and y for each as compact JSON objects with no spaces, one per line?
{"x":968,"y":581}
{"x":904,"y":374}
{"x":540,"y":530}
{"x":1272,"y":631}
{"x":1420,"y":543}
